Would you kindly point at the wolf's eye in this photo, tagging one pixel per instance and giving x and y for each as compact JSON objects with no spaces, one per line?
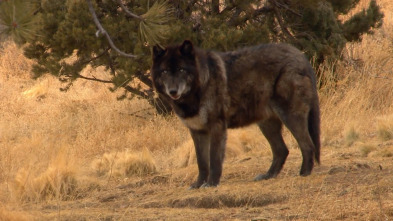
{"x":164,"y":72}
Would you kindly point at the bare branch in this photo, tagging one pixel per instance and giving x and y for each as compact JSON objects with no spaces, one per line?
{"x":135,"y":91}
{"x":280,"y":5}
{"x":125,"y":86}
{"x":135,"y":113}
{"x":237,"y":20}
{"x":94,"y":58}
{"x":128,"y":12}
{"x":94,"y":79}
{"x":103,"y":31}
{"x":280,"y":21}
{"x":228,"y":8}
{"x":144,"y":79}
{"x":82,"y":63}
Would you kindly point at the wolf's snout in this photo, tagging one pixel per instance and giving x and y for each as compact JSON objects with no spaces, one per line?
{"x":173,"y":92}
{"x":175,"y":88}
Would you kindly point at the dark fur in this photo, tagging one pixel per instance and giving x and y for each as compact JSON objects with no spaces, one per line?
{"x":271,"y":85}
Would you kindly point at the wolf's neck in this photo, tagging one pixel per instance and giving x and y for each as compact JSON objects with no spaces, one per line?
{"x":187,"y":106}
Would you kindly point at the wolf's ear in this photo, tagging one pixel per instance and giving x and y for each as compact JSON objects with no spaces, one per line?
{"x":187,"y":49}
{"x":158,"y":52}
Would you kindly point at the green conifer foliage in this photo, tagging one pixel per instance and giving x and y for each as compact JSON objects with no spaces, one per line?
{"x":18,"y":20}
{"x":66,"y":30}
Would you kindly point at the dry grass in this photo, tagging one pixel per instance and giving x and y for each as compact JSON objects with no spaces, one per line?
{"x":239,"y":143}
{"x":351,"y":136}
{"x":385,"y":127}
{"x":58,"y":181}
{"x":7,"y":215}
{"x":125,"y":164}
{"x":82,"y":154}
{"x":365,"y":150}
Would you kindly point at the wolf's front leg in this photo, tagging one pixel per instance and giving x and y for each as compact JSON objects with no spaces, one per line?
{"x":201,"y":142}
{"x":218,"y":137}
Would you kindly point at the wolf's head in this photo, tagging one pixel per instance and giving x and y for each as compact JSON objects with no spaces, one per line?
{"x":174,"y":70}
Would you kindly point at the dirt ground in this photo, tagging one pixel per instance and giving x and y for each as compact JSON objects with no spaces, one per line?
{"x":346,"y":186}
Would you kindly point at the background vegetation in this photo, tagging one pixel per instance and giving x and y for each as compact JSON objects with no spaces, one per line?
{"x":85,"y":155}
{"x":63,"y":39}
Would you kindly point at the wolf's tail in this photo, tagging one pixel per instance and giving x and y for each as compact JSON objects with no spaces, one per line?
{"x":314,"y":128}
{"x":314,"y":120}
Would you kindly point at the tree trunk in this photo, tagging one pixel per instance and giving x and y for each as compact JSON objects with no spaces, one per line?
{"x":215,"y":7}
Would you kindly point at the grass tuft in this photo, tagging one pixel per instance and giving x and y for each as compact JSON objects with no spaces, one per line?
{"x":58,"y":181}
{"x":351,"y":136}
{"x":385,"y":127}
{"x":365,"y":150}
{"x":38,"y":91}
{"x":125,"y":164}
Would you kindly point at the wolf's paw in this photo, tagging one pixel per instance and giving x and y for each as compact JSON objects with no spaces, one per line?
{"x":207,"y":185}
{"x":306,"y":169}
{"x":197,"y":185}
{"x":265,"y":176}
{"x":204,"y":185}
{"x":193,"y":187}
{"x":305,"y":173}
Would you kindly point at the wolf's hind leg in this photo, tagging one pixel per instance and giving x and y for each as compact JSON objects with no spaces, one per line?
{"x":201,"y":142}
{"x":271,"y":128}
{"x":298,"y":125}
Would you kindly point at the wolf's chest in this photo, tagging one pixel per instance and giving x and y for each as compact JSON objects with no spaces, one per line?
{"x":198,"y":121}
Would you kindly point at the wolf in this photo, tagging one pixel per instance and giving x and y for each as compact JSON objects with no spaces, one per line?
{"x":270,"y":84}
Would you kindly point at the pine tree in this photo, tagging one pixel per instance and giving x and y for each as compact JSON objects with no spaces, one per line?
{"x":66,"y":29}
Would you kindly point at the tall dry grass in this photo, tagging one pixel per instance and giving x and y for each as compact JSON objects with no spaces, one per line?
{"x":362,"y":89}
{"x":125,"y":164}
{"x":58,"y":181}
{"x":38,"y":123}
{"x":8,"y":215}
{"x":52,"y":143}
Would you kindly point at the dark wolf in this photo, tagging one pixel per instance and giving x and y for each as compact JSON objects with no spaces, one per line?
{"x":269,"y":84}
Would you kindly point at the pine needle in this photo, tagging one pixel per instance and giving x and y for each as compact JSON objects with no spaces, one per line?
{"x":154,"y":28}
{"x":18,"y":21}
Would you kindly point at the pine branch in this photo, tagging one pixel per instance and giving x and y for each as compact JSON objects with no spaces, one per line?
{"x":363,"y":22}
{"x":101,"y":30}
